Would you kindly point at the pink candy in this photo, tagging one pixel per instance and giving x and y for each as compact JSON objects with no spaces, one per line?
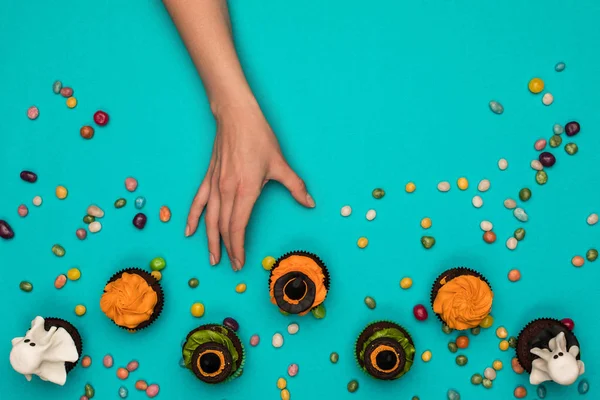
{"x":254,"y":340}
{"x":152,"y":390}
{"x":132,"y":366}
{"x":107,"y":361}
{"x":131,"y":184}
{"x":23,"y":210}
{"x":66,"y":92}
{"x":33,"y":112}
{"x":540,"y":144}
{"x":420,"y":312}
{"x":293,"y":370}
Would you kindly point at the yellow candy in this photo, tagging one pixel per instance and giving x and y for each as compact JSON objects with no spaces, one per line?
{"x":410,"y":187}
{"x":197,"y":310}
{"x":405,"y":283}
{"x":240,"y":288}
{"x":426,"y":356}
{"x":71,"y":102}
{"x":268,"y":262}
{"x":362,"y":242}
{"x":497,"y":365}
{"x":501,"y":332}
{"x":462,"y":183}
{"x":487,"y":322}
{"x":74,"y":274}
{"x":61,"y":192}
{"x":503,"y":345}
{"x":285,"y":394}
{"x":281,"y":383}
{"x":80,"y":310}
{"x":536,"y":85}
{"x":426,"y":223}
{"x":157,"y":275}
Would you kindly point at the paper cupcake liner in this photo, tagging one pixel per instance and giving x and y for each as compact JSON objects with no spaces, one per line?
{"x":386,"y":324}
{"x":452,"y":273}
{"x":71,"y":330}
{"x":531,"y":330}
{"x":153,"y":282}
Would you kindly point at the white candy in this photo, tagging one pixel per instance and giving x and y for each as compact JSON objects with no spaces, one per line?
{"x":443,"y":186}
{"x":95,"y":227}
{"x":477,"y":201}
{"x":277,"y":340}
{"x":537,"y":165}
{"x":510,"y":204}
{"x":37,"y":201}
{"x":371,"y":214}
{"x":346,"y":211}
{"x":502,"y":164}
{"x":484,"y":185}
{"x":490,"y":373}
{"x":547,"y":99}
{"x":293,"y":329}
{"x":95,"y":211}
{"x":592,"y":219}
{"x":486,"y":226}
{"x":511,"y":243}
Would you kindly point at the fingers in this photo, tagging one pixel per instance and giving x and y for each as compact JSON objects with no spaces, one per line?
{"x":227,"y":194}
{"x":288,"y":178}
{"x":242,"y":208}
{"x":212,"y":222}
{"x":197,"y":207}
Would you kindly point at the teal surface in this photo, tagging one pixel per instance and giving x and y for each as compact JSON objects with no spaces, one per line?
{"x":361,"y":95}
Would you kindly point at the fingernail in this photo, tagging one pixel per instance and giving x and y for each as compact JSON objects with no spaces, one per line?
{"x":310,"y":200}
{"x":237,"y":265}
{"x":212,"y":259}
{"x":187,"y":230}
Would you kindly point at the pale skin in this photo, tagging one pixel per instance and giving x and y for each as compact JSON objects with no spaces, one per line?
{"x":246,"y":154}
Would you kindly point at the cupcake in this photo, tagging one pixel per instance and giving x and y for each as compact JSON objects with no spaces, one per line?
{"x":132,"y":299}
{"x":50,"y":349}
{"x":299,"y":282}
{"x":461,"y":298}
{"x":384,"y":350}
{"x":214,"y":353}
{"x":549,"y":351}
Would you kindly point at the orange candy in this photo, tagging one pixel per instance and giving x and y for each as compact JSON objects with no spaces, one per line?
{"x":514,"y":275}
{"x":489,"y":237}
{"x":122,"y":373}
{"x":520,"y":392}
{"x":141,"y":385}
{"x":86,"y":361}
{"x":577,"y":261}
{"x":462,"y":342}
{"x":536,"y":85}
{"x":516,"y":366}
{"x":165,"y":214}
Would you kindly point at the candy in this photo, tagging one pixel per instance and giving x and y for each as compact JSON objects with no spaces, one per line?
{"x":86,"y":361}
{"x":378,"y":193}
{"x":525,"y":194}
{"x":132,"y":365}
{"x":29,"y":176}
{"x":541,"y":391}
{"x":426,"y":223}
{"x":193,"y":283}
{"x":86,"y":132}
{"x":406,"y":283}
{"x":107,"y":361}
{"x":462,"y":342}
{"x":240,"y":288}
{"x":158,"y":264}
{"x":427,"y":241}
{"x":231,"y":324}
{"x":254,"y":340}
{"x":462,"y":183}
{"x":281,"y":383}
{"x":293,"y":328}
{"x":502,"y":333}
{"x":22,"y":210}
{"x":95,"y":227}
{"x":277,"y":340}
{"x":511,"y":243}
{"x":477,"y":201}
{"x":71,"y":102}
{"x":520,"y":392}
{"x":164,"y":214}
{"x":58,"y":250}
{"x":475,"y":331}
{"x":487,"y":383}
{"x":6,"y":232}
{"x":120,"y":203}
{"x":484,"y":185}
{"x":197,"y":310}
{"x":268,"y":262}
{"x":487,"y":322}
{"x":101,"y":118}
{"x":370,"y":302}
{"x":514,"y":363}
{"x":362,"y":242}
{"x":452,"y":347}
{"x":139,"y":221}
{"x":490,"y":373}
{"x":33,"y":112}
{"x":547,"y":99}
{"x":520,"y":214}
{"x":152,"y":390}
{"x":514,"y":275}
{"x":496,"y":107}
{"x":426,"y":356}
{"x":497,"y":365}
{"x":420,"y":312}
{"x":476,"y":379}
{"x":131,"y":184}
{"x":371,"y":214}
{"x":95,"y":211}
{"x":66,"y":92}
{"x":446,"y":329}
{"x":583,"y":386}
{"x":140,"y":202}
{"x":453,"y":395}
{"x":559,"y":67}
{"x":74,"y":274}
{"x":352,"y":386}
{"x":157,"y":275}
{"x":572,"y":128}
{"x":80,"y":310}
{"x":539,"y":144}
{"x":489,"y":237}
{"x":510,"y":204}
{"x":334,"y":357}
{"x":547,"y":159}
{"x":293,"y":370}
{"x":56,"y":86}
{"x":503,"y":345}
{"x":410,"y":187}
{"x":319,"y":312}
{"x":592,"y":219}
{"x":61,"y":192}
{"x":60,"y":281}
{"x":122,"y":373}
{"x":568,"y":322}
{"x":519,"y":234}
{"x":285,"y":394}
{"x":88,"y":219}
{"x":486,"y":226}
{"x":26,"y":286}
{"x":89,"y":391}
{"x":541,"y":177}
{"x":577,"y":261}
{"x":591,"y":255}
{"x":536,"y":85}
{"x":536,"y":165}
{"x":443,"y":186}
{"x":571,"y":148}
{"x":502,"y":164}
{"x":346,"y":211}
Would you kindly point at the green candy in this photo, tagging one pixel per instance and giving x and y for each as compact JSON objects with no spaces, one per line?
{"x":120,"y":203}
{"x":519,"y":234}
{"x":370,"y":302}
{"x":541,"y":177}
{"x":512,"y":342}
{"x":428,"y":241}
{"x":555,"y":141}
{"x":496,"y":107}
{"x":453,"y":395}
{"x":158,"y":264}
{"x":88,"y":219}
{"x":446,"y":329}
{"x":193,"y":283}
{"x":475,"y":331}
{"x":89,"y":391}
{"x":525,"y":194}
{"x":487,"y":383}
{"x":353,"y":386}
{"x":378,"y":193}
{"x":319,"y":311}
{"x":334,"y":357}
{"x":476,"y":379}
{"x":591,"y":255}
{"x":58,"y":250}
{"x":26,"y":286}
{"x":415,"y":398}
{"x":461,"y":360}
{"x":452,"y":347}
{"x":571,"y":148}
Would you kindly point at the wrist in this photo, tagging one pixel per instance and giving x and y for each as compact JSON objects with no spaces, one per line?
{"x":227,"y":106}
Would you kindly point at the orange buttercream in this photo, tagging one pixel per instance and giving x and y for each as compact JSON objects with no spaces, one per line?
{"x":129,"y":300}
{"x":463,"y":302}
{"x":308,"y":267}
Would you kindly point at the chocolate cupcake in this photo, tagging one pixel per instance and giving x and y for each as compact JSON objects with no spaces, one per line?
{"x":549,"y":351}
{"x":132,"y":299}
{"x":214,"y":353}
{"x":461,"y":298}
{"x":299,"y":282}
{"x":384,"y":350}
{"x":50,"y":349}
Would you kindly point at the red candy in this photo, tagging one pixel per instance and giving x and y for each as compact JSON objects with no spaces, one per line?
{"x":568,"y":322}
{"x":101,"y":118}
{"x":420,"y":312}
{"x":66,"y":92}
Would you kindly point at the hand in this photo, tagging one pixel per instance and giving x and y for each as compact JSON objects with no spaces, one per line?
{"x":246,"y":155}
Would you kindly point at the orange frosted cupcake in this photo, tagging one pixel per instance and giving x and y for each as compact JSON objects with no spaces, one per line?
{"x":132,"y":299}
{"x":298,"y":283}
{"x":461,"y":298}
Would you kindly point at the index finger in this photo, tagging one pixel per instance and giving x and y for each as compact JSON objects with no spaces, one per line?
{"x":242,"y":208}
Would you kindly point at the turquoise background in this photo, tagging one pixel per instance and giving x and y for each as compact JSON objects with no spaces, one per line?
{"x":361,"y":96}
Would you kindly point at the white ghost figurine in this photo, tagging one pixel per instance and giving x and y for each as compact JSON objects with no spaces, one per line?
{"x":556,"y":364}
{"x":43,"y":353}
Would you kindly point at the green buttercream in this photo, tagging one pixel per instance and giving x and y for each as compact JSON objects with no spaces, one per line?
{"x":398,"y":336}
{"x":206,"y":336}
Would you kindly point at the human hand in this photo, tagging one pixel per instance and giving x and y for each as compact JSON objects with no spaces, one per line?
{"x":246,"y":155}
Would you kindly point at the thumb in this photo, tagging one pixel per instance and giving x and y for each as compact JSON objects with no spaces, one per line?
{"x":288,"y":178}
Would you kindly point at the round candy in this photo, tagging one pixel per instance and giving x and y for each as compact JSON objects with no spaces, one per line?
{"x":568,"y":322}
{"x":536,"y":85}
{"x":23,"y":210}
{"x":420,"y":312}
{"x":406,"y":283}
{"x":66,"y":92}
{"x":33,"y":112}
{"x":462,"y":342}
{"x":86,"y":132}
{"x":572,"y":128}
{"x":139,"y":221}
{"x":547,"y":159}
{"x":80,"y":310}
{"x":71,"y":102}
{"x":61,"y":192}
{"x":197,"y":310}
{"x":101,"y":118}
{"x":122,"y":373}
{"x":268,"y":262}
{"x":231,"y":324}
{"x":131,"y":184}
{"x":74,"y":274}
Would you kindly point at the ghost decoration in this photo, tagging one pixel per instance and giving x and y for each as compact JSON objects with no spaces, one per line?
{"x":556,"y":364}
{"x":43,"y":353}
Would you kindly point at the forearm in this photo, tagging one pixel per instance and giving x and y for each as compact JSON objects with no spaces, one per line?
{"x":205,"y":28}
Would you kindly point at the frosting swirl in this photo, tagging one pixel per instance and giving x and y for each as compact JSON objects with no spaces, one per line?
{"x":463,"y":302}
{"x":129,"y":300}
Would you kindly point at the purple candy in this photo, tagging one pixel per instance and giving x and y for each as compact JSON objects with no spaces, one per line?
{"x":28,"y":176}
{"x":139,"y":221}
{"x":231,"y":324}
{"x":572,"y":128}
{"x":547,"y":159}
{"x":6,"y":231}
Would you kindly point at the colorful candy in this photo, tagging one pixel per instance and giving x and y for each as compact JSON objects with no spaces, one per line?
{"x":101,"y":118}
{"x":95,"y":211}
{"x":577,"y":261}
{"x":29,"y":176}
{"x":61,"y":192}
{"x":86,"y":132}
{"x":547,"y":99}
{"x":122,"y":373}
{"x":6,"y":232}
{"x":95,"y":227}
{"x":86,"y":361}
{"x":268,"y":262}
{"x":74,"y":274}
{"x":370,"y":302}
{"x":426,"y":223}
{"x":547,"y":159}
{"x":60,"y":281}
{"x":293,"y":370}
{"x":231,"y":324}
{"x":131,"y":184}
{"x":496,"y":107}
{"x":443,"y":186}
{"x":484,"y":185}
{"x":569,"y":323}
{"x":572,"y":128}
{"x":514,"y":275}
{"x":107,"y":361}
{"x":410,"y":187}
{"x":141,"y":385}
{"x":158,"y":264}
{"x":80,"y":310}
{"x":406,"y":283}
{"x":33,"y":112}
{"x":71,"y":102}
{"x":58,"y":250}
{"x":346,"y":211}
{"x":139,"y":221}
{"x":56,"y":86}
{"x":462,"y":183}
{"x":26,"y":286}
{"x":539,"y":144}
{"x":164,"y":214}
{"x":293,"y":328}
{"x":420,"y":312}
{"x":132,"y":365}
{"x":120,"y":203}
{"x":427,"y":241}
{"x":378,"y":193}
{"x":254,"y":340}
{"x":536,"y":85}
{"x":352,"y":386}
{"x":502,"y":164}
{"x":362,"y":242}
{"x":489,"y":237}
{"x":426,"y":356}
{"x":462,"y":342}
{"x":193,"y":283}
{"x":66,"y":92}
{"x":22,"y":210}
{"x":277,"y":340}
{"x":197,"y":310}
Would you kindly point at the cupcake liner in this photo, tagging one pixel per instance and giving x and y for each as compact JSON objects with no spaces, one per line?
{"x":367,"y":332}
{"x":71,"y":330}
{"x":153,"y":282}
{"x":451,"y":274}
{"x":533,"y":329}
